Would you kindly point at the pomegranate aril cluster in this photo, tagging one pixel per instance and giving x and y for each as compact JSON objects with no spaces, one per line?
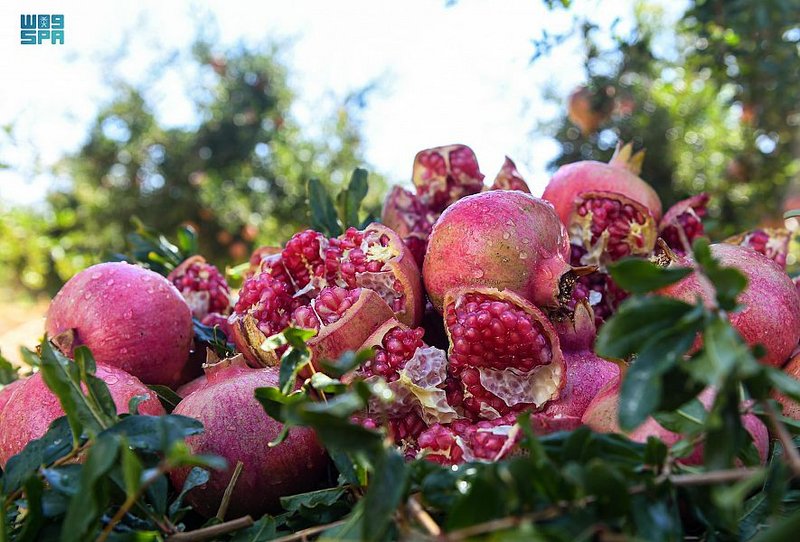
{"x":398,"y":346}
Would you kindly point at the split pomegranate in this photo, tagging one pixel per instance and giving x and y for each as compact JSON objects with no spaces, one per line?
{"x":503,"y":239}
{"x":404,"y":213}
{"x":202,"y":286}
{"x":509,"y":178}
{"x":771,"y":242}
{"x":503,"y":351}
{"x":238,"y":429}
{"x":462,"y":440}
{"x":770,"y":313}
{"x":609,"y":211}
{"x":34,"y":407}
{"x":683,"y":223}
{"x":130,"y":317}
{"x":443,"y":175}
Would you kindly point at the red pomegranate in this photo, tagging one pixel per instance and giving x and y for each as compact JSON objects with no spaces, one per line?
{"x":129,"y":317}
{"x":446,"y":174}
{"x":683,"y":223}
{"x":238,"y":429}
{"x":503,"y":239}
{"x":405,"y":213}
{"x":7,"y":391}
{"x":509,"y":178}
{"x":33,"y":407}
{"x":463,"y":440}
{"x":770,"y":313}
{"x":791,"y":408}
{"x":771,"y":242}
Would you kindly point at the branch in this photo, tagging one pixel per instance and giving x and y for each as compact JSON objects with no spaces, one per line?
{"x":301,"y":535}
{"x":424,"y":519}
{"x":214,"y":531}
{"x":226,"y":497}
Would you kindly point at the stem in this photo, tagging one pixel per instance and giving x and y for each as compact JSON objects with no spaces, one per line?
{"x":226,"y":497}
{"x":424,"y":519}
{"x":214,"y":531}
{"x":301,"y":535}
{"x":791,"y":456}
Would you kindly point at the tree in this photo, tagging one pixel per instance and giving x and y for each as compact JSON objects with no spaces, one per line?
{"x":238,"y":177}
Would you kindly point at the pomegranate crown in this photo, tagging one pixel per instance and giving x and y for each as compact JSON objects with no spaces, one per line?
{"x":624,"y":157}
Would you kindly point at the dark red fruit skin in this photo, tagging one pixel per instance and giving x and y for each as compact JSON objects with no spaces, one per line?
{"x":33,"y":407}
{"x":192,"y":386}
{"x":129,"y":317}
{"x":7,"y":391}
{"x":238,"y":429}
{"x":791,"y":408}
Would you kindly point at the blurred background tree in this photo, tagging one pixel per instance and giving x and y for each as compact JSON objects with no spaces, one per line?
{"x":238,"y":177}
{"x":718,"y":112}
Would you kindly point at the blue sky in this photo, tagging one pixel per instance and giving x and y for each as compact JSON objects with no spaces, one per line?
{"x":445,"y":74}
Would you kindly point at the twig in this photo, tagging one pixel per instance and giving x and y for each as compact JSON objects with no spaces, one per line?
{"x":207,"y":533}
{"x":301,"y":535}
{"x":790,"y":453}
{"x":713,"y":477}
{"x":424,"y":519}
{"x":226,"y":497}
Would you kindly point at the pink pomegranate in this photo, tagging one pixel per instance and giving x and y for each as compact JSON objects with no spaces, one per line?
{"x":770,"y":313}
{"x":504,"y":353}
{"x":463,"y":440}
{"x":683,"y":223}
{"x":444,"y":175}
{"x":130,"y":317}
{"x":771,"y":242}
{"x":503,"y":239}
{"x":411,"y":219}
{"x":33,"y":407}
{"x":202,"y":286}
{"x":7,"y":391}
{"x":601,"y":416}
{"x":608,"y":210}
{"x":791,"y":408}
{"x":238,"y":429}
{"x":586,"y":374}
{"x":509,"y":178}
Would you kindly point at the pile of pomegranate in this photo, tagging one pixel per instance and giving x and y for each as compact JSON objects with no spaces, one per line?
{"x":479,"y":303}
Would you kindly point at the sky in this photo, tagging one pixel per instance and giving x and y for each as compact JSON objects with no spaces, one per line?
{"x":445,"y":74}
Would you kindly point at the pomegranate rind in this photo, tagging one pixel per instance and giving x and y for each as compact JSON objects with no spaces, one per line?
{"x":509,"y":178}
{"x":770,"y":313}
{"x":503,"y":239}
{"x":443,"y":175}
{"x":536,"y":387}
{"x":771,"y":242}
{"x":791,"y":408}
{"x":671,"y":228}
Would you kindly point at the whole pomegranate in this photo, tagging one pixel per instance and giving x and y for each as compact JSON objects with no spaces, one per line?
{"x":130,"y":317}
{"x":585,"y":375}
{"x":7,"y":391}
{"x":445,"y":174}
{"x":503,"y":239}
{"x":601,"y":416}
{"x":609,"y":211}
{"x":771,"y":242}
{"x":202,"y":286}
{"x":238,"y":429}
{"x":33,"y":407}
{"x":683,"y":223}
{"x":770,"y":313}
{"x":504,"y":354}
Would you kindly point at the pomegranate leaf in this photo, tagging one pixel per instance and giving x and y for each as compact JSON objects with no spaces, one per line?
{"x":386,"y":491}
{"x":8,"y":373}
{"x":639,"y":276}
{"x":350,"y":199}
{"x":34,"y":518}
{"x":195,"y":478}
{"x":55,"y":444}
{"x":348,"y":361}
{"x":728,"y":281}
{"x":155,"y":434}
{"x":323,"y":212}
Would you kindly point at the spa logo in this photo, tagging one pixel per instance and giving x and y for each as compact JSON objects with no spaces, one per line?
{"x":39,"y":29}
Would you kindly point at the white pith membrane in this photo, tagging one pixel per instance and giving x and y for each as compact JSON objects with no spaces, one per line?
{"x":381,"y":282}
{"x":199,"y":301}
{"x":514,"y":387}
{"x":419,"y":387}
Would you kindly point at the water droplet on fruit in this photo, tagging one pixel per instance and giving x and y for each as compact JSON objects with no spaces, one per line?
{"x":523,"y":255}
{"x":87,"y":295}
{"x":128,"y":314}
{"x":506,"y":235}
{"x":478,"y":273}
{"x":110,"y":282}
{"x":123,"y":350}
{"x":95,"y":276}
{"x":111,"y":380}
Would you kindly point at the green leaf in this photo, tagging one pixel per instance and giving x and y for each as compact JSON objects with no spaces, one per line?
{"x":92,"y":498}
{"x":636,"y":322}
{"x":195,"y":478}
{"x":351,"y":198}
{"x":55,"y":444}
{"x":262,"y":530}
{"x":8,"y":373}
{"x":347,"y":362}
{"x":169,"y":399}
{"x":131,"y":469}
{"x":323,"y":212}
{"x":639,"y":276}
{"x":63,"y":479}
{"x":385,"y":493}
{"x":187,"y":241}
{"x":324,"y":383}
{"x":728,"y":281}
{"x":34,"y":517}
{"x":155,"y":434}
{"x":482,"y":501}
{"x":96,"y":389}
{"x":214,"y":337}
{"x":324,"y":497}
{"x":292,"y":362}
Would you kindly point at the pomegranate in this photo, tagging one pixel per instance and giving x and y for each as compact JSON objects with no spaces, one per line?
{"x":463,"y":440}
{"x":584,"y":113}
{"x":683,"y":223}
{"x":597,"y":289}
{"x":220,"y":321}
{"x":509,"y":178}
{"x":342,"y":318}
{"x":445,"y":174}
{"x":601,"y":416}
{"x":34,"y":407}
{"x":791,"y":408}
{"x":414,"y":372}
{"x":770,"y":313}
{"x":260,"y":257}
{"x":504,"y":239}
{"x":609,"y":211}
{"x":585,"y":374}
{"x":771,"y":242}
{"x":202,"y":286}
{"x":412,"y":220}
{"x":130,"y":317}
{"x":238,"y":429}
{"x":504,"y":353}
{"x":192,"y":386}
{"x":7,"y":391}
